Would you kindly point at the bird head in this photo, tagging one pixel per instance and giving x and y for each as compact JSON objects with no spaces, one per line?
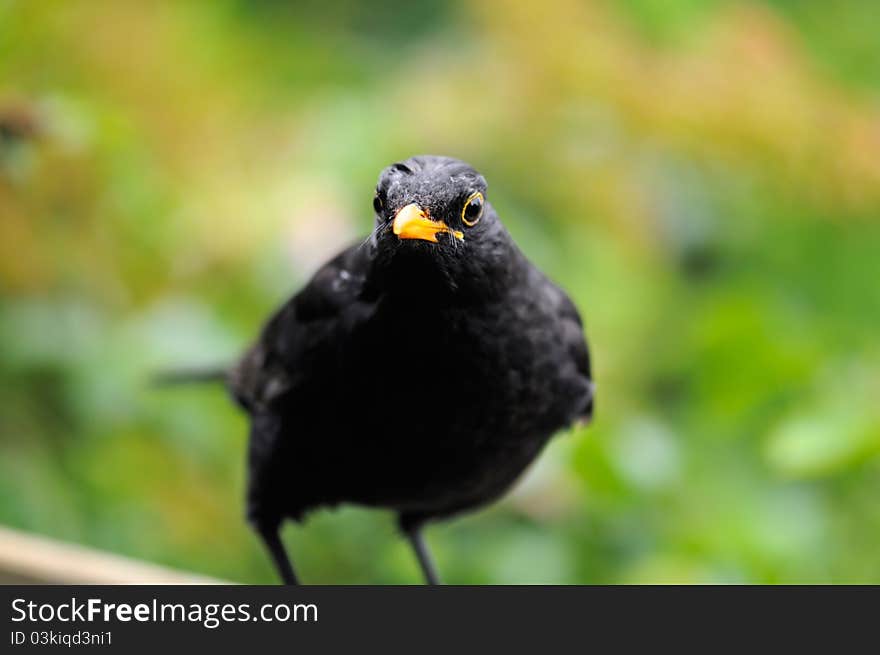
{"x":431,"y":199}
{"x":432,"y":217}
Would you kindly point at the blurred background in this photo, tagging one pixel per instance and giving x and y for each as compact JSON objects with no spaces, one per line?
{"x":703,"y":176}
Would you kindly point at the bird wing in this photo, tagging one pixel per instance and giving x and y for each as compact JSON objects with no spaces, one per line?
{"x":295,"y":340}
{"x":576,"y":344}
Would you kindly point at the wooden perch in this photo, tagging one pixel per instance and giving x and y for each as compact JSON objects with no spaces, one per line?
{"x":31,"y":559}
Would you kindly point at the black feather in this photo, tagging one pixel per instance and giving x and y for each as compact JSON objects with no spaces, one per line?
{"x":420,"y":377}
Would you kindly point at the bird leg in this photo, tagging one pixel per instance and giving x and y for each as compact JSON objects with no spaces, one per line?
{"x":413,"y":532}
{"x":272,"y":540}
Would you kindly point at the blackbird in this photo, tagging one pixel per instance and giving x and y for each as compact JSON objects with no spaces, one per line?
{"x":420,"y":371}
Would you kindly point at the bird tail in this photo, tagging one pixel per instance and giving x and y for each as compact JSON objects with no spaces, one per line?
{"x":176,"y":377}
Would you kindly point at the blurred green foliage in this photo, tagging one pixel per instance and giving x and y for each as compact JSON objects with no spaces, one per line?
{"x":702,"y":175}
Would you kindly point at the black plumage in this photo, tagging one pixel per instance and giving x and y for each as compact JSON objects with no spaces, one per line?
{"x":420,"y":371}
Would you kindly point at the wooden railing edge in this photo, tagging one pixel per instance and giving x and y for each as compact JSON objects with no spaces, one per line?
{"x":33,"y":559}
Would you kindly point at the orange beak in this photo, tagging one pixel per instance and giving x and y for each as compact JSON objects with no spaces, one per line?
{"x":412,"y":222}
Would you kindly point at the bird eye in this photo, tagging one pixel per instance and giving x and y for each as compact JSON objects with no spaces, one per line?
{"x":377,"y":203}
{"x":473,"y":209}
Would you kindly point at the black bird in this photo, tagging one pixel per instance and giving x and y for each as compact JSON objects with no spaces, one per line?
{"x":420,"y":371}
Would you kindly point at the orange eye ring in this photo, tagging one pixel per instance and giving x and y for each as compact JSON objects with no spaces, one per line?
{"x":473,"y":209}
